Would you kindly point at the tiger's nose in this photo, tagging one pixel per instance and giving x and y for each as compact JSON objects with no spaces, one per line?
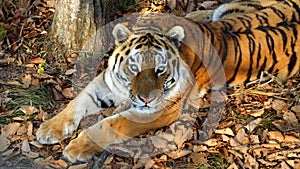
{"x":146,"y":100}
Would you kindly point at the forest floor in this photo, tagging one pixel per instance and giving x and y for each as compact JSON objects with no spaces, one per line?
{"x":259,"y":127}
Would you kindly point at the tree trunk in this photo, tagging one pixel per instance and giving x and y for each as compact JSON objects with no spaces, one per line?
{"x":75,"y":26}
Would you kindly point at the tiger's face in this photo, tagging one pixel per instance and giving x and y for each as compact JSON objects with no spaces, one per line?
{"x":148,"y":66}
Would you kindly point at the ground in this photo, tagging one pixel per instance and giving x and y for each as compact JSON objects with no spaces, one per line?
{"x":259,"y":126}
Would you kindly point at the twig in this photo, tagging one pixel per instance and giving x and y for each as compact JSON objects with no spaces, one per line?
{"x":250,"y":91}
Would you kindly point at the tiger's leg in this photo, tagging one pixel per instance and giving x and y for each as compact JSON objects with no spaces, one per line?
{"x":93,"y":98}
{"x":114,"y":129}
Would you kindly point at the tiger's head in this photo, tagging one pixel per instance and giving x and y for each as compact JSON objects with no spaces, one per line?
{"x":147,"y":66}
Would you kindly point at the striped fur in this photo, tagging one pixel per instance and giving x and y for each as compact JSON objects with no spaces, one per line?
{"x":158,"y":73}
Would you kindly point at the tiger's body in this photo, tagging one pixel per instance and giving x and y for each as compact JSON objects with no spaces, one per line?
{"x":159,"y":73}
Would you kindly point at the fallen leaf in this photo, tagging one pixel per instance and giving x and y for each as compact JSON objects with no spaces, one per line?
{"x":80,"y":166}
{"x":254,"y":139}
{"x":59,"y":164}
{"x":10,"y":129}
{"x":250,"y":162}
{"x":258,"y":113}
{"x":4,"y":142}
{"x":267,"y":163}
{"x":284,"y":165}
{"x":242,"y":137}
{"x":68,"y":92}
{"x":226,"y":131}
{"x":27,"y":151}
{"x":275,"y":135}
{"x":273,"y":146}
{"x":236,"y":154}
{"x":279,"y":105}
{"x":198,"y":158}
{"x":159,"y":142}
{"x":211,"y":142}
{"x":26,"y":80}
{"x":252,"y":125}
{"x":296,"y":108}
{"x":28,"y":110}
{"x":290,"y":117}
{"x":233,"y":166}
{"x":36,"y":60}
{"x":294,"y":163}
{"x":197,"y":149}
{"x":178,"y":153}
{"x":290,"y":139}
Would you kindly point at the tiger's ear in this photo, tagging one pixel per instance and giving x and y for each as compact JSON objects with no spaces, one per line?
{"x":120,"y":32}
{"x":176,"y":34}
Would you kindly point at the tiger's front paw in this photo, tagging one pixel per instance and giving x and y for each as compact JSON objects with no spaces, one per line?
{"x":81,"y":149}
{"x":56,"y":129}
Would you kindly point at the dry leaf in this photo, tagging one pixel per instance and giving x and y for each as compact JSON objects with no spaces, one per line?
{"x":68,"y":92}
{"x":279,"y":105}
{"x":233,"y":166}
{"x":226,"y":131}
{"x":291,"y":139}
{"x":36,"y":83}
{"x":236,"y":154}
{"x":275,"y":135}
{"x":252,"y":125}
{"x":37,"y":60}
{"x":258,"y":113}
{"x":4,"y":142}
{"x":28,"y":110}
{"x":59,"y":164}
{"x":273,"y":146}
{"x":254,"y":139}
{"x":211,"y":142}
{"x":290,"y":117}
{"x":296,"y":108}
{"x":198,"y":158}
{"x":284,"y":165}
{"x":197,"y":149}
{"x":267,"y":163}
{"x":242,"y":137}
{"x":26,"y":80}
{"x":27,"y":151}
{"x":80,"y":166}
{"x":178,"y":153}
{"x":294,"y":163}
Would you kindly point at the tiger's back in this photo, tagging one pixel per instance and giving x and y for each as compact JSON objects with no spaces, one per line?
{"x":248,"y":44}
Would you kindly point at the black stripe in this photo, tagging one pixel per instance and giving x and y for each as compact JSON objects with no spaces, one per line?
{"x":262,"y":68}
{"x":274,"y":62}
{"x":94,"y":101}
{"x":116,"y":58}
{"x":293,"y":59}
{"x":224,"y":49}
{"x":262,"y":19}
{"x":228,"y":12}
{"x":283,"y":36}
{"x":251,"y":49}
{"x":258,"y":56}
{"x":292,"y":63}
{"x":270,"y":42}
{"x":278,"y":12}
{"x":238,"y":55}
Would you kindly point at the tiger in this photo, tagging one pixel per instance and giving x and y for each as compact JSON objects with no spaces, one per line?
{"x":160,"y":72}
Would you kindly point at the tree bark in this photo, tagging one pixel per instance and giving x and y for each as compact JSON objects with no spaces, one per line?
{"x":75,"y":25}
